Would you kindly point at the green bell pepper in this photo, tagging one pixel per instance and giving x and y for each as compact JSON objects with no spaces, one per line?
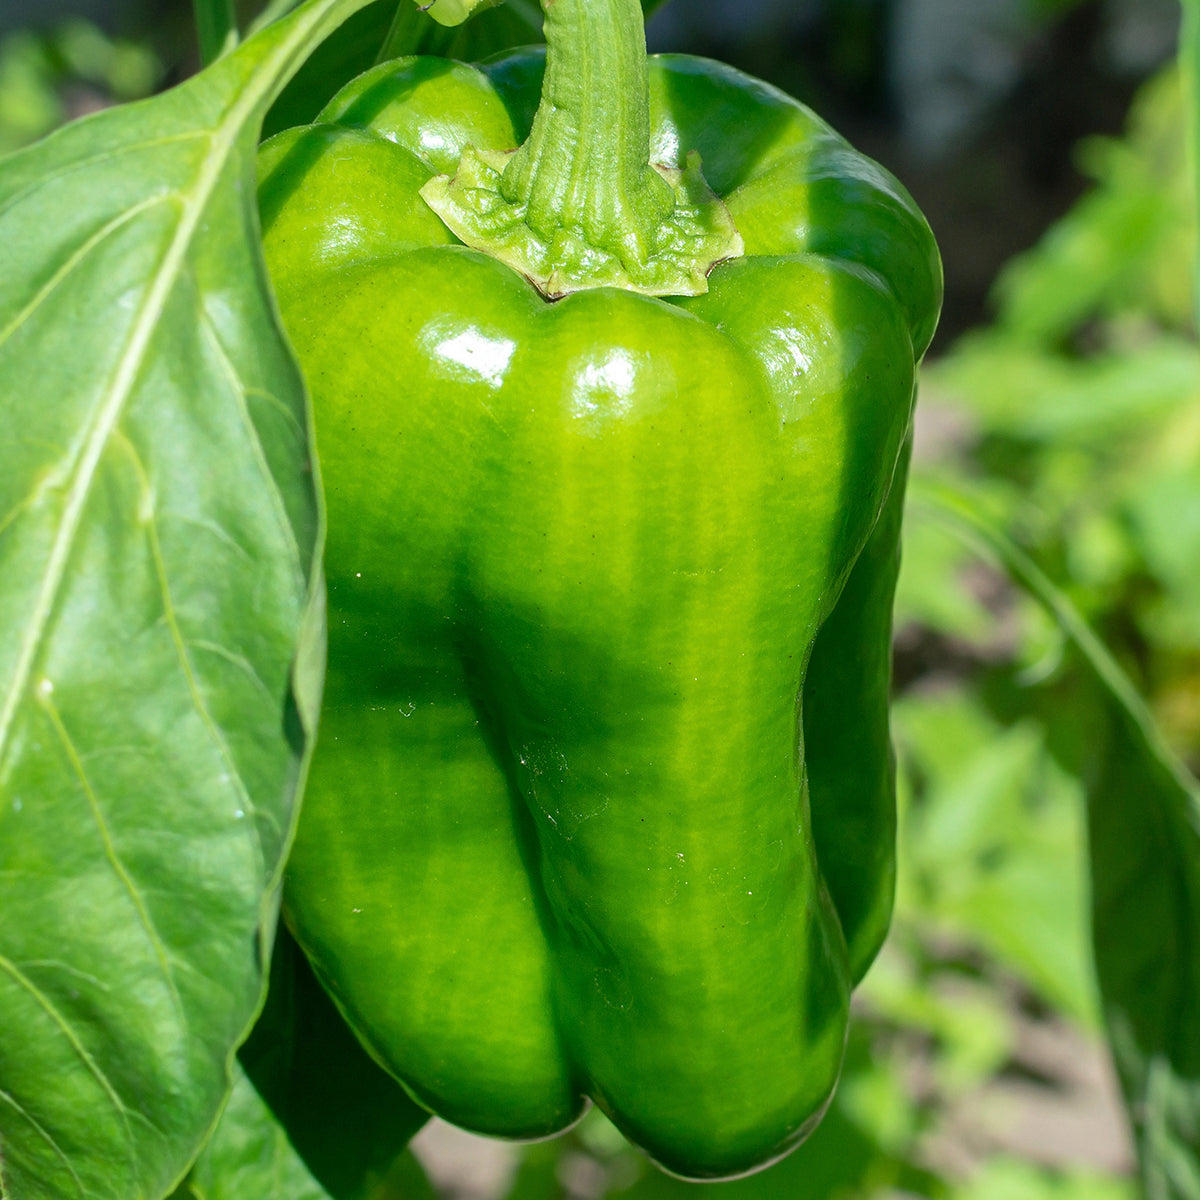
{"x":603,"y":803}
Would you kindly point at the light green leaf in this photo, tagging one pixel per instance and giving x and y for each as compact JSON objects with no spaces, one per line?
{"x":271,"y":11}
{"x":1120,"y":249}
{"x":996,"y":845}
{"x":160,"y":665}
{"x":1021,"y":392}
{"x":1144,"y":833}
{"x":1002,"y":1178}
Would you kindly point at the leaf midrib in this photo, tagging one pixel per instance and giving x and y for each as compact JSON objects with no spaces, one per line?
{"x":224,"y":141}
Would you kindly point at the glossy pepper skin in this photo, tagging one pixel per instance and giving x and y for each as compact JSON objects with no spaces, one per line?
{"x":602,"y":805}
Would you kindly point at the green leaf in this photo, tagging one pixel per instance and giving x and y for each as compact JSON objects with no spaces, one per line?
{"x":1021,"y":392}
{"x":1189,"y":61}
{"x":995,"y":846}
{"x":159,"y":587}
{"x":216,"y":28}
{"x":1001,"y":1178}
{"x":1119,"y":249}
{"x":273,"y":10}
{"x":347,"y":1118}
{"x":347,"y":52}
{"x":1144,"y":834}
{"x":249,"y":1156}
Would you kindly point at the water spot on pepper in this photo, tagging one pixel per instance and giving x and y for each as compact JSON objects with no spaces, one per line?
{"x":614,"y":988}
{"x":545,"y":785}
{"x":745,"y":895}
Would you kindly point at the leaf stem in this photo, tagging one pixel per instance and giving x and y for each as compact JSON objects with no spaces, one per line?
{"x":413,"y":31}
{"x":270,"y":14}
{"x":216,"y":29}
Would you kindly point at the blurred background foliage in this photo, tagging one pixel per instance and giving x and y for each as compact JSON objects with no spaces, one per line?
{"x":1044,"y":138}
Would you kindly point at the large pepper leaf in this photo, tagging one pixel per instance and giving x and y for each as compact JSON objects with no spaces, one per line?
{"x":160,"y":664}
{"x":1144,"y":838}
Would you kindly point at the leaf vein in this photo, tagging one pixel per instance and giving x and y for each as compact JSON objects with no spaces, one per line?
{"x":114,"y":859}
{"x":240,"y":391}
{"x":111,"y":406}
{"x":42,"y":181}
{"x":181,"y":647}
{"x":80,"y":255}
{"x":90,"y":1065}
{"x":238,"y":660}
{"x":45,"y":1135}
{"x":276,"y":403}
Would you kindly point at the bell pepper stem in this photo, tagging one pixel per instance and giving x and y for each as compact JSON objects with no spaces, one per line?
{"x":580,"y":205}
{"x":586,"y":163}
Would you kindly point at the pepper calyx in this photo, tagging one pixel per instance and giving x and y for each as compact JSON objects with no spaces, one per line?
{"x":696,"y":234}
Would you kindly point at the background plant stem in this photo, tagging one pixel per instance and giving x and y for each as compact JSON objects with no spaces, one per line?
{"x":216,"y":28}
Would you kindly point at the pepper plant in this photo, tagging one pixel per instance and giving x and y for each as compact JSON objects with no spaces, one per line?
{"x":607,"y":688}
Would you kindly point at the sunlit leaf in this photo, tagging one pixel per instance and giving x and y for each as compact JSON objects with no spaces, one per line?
{"x":160,"y":669}
{"x":1021,"y":392}
{"x":995,"y":849}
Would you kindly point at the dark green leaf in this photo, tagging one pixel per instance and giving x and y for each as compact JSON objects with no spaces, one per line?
{"x":344,"y":54}
{"x":216,"y":28}
{"x":1145,"y":849}
{"x":160,"y":669}
{"x":347,"y":1118}
{"x":249,"y":1156}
